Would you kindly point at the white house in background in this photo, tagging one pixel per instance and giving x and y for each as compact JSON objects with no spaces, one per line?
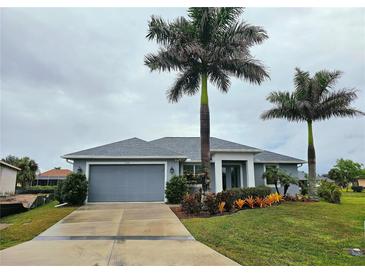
{"x":7,"y":178}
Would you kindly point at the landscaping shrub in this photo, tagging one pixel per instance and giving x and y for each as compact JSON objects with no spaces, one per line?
{"x":211,"y":203}
{"x":191,"y":203}
{"x":221,"y":206}
{"x":330,"y":192}
{"x":74,"y":189}
{"x":176,"y":189}
{"x":58,"y":192}
{"x":357,"y":188}
{"x":228,"y":197}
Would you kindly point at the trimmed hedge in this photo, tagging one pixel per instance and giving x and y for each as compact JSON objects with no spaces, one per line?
{"x":37,"y":190}
{"x":357,"y":188}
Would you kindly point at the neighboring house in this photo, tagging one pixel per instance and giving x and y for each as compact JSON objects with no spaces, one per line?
{"x":51,"y":177}
{"x":137,"y":170}
{"x":361,"y":181}
{"x":303,"y":177}
{"x":7,"y":178}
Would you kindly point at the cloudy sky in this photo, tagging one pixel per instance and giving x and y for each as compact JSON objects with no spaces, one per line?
{"x":74,"y":78}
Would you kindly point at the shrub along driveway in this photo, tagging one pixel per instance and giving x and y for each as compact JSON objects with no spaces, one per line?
{"x":115,"y":234}
{"x":289,"y":234}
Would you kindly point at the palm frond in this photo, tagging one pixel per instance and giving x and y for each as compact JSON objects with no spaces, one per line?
{"x":166,"y":33}
{"x":219,"y":79}
{"x":246,"y":68}
{"x":285,"y":107}
{"x":164,"y":60}
{"x":337,"y":104}
{"x":187,"y":82}
{"x":301,"y":83}
{"x":323,"y":81}
{"x":228,"y":15}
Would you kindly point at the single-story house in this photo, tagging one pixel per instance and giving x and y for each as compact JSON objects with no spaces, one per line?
{"x":7,"y":178}
{"x":137,"y":170}
{"x":51,"y":177}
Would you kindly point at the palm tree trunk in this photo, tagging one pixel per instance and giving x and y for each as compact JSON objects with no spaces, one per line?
{"x":205,"y":131}
{"x":311,"y":163}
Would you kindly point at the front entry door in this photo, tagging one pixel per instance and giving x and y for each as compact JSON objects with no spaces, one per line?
{"x":231,"y":176}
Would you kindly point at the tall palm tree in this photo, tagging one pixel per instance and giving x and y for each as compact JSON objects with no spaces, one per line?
{"x":313,"y":99}
{"x":211,"y":44}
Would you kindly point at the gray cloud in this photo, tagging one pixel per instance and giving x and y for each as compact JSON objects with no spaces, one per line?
{"x":74,"y":78}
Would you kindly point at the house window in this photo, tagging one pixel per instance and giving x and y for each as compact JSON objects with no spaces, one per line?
{"x":193,"y":169}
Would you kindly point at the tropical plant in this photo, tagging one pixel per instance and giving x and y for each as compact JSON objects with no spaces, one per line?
{"x":211,"y":203}
{"x":239,"y":203}
{"x":345,"y":172}
{"x":28,"y":168}
{"x":191,"y":203}
{"x":275,"y":175}
{"x":314,"y":99}
{"x":176,"y":188}
{"x":221,"y":207}
{"x":286,"y":181}
{"x":250,"y":201}
{"x":260,"y":201}
{"x":211,"y":44}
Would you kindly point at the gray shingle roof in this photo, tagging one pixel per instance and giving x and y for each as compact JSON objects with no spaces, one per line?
{"x":174,"y":147}
{"x":134,"y":148}
{"x":190,"y":146}
{"x":272,"y":157}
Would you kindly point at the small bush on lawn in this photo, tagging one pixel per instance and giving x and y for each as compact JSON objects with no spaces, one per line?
{"x":191,"y":203}
{"x":330,"y":192}
{"x":357,"y":188}
{"x":211,"y":203}
{"x":74,"y":189}
{"x":176,"y":189}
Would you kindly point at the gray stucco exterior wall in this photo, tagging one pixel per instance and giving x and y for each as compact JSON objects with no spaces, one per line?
{"x":259,"y":170}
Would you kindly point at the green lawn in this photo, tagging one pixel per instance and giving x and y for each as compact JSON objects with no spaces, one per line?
{"x":288,"y":234}
{"x":27,"y":225}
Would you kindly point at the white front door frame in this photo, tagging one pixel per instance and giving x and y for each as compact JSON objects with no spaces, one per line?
{"x":248,"y":157}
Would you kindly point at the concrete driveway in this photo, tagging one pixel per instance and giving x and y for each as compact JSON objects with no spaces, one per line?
{"x":115,"y":234}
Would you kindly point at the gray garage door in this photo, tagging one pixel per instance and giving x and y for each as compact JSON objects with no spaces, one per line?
{"x":126,"y":183}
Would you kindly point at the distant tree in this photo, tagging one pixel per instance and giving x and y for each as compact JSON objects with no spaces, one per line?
{"x":345,"y":172}
{"x":28,"y":167}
